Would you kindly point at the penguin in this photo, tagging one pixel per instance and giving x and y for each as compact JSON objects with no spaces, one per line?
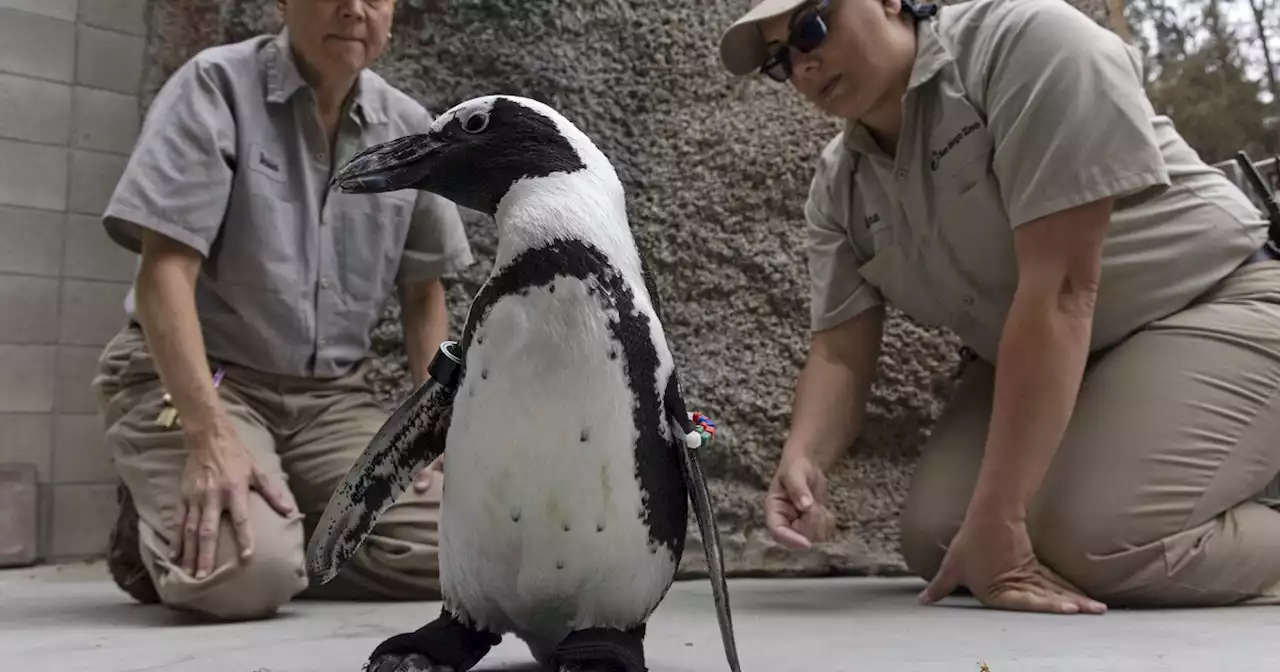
{"x":571,"y":457}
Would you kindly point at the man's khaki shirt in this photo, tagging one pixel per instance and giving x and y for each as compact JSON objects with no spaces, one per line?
{"x":233,"y":162}
{"x":1017,"y":109}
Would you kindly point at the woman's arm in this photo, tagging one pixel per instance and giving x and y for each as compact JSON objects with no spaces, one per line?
{"x":826,"y":417}
{"x":1039,"y":366}
{"x":1042,"y":355}
{"x":846,"y":318}
{"x":832,"y":389}
{"x":1073,"y":137}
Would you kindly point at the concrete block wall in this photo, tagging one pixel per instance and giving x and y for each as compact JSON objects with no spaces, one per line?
{"x":70,"y":75}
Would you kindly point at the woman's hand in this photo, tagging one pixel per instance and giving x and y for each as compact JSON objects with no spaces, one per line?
{"x":991,"y":555}
{"x":795,"y":508}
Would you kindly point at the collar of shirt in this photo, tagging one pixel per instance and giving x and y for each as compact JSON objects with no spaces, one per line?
{"x":931,"y":57}
{"x":283,"y":80}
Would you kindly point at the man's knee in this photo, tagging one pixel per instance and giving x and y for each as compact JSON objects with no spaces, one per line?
{"x":238,"y":589}
{"x":400,"y":558}
{"x":249,"y":589}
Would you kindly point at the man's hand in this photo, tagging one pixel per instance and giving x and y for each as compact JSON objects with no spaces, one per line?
{"x":795,"y":508}
{"x":218,"y":477}
{"x":428,"y":475}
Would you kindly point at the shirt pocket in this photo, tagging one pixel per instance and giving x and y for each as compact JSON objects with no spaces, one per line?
{"x":373,"y":231}
{"x":903,"y":285}
{"x":882,"y":235}
{"x":974,"y":225}
{"x":260,"y":235}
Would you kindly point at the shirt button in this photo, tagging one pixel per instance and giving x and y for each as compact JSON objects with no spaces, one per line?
{"x":967,"y":300}
{"x":901,"y":174}
{"x":324,"y":283}
{"x":320,"y":156}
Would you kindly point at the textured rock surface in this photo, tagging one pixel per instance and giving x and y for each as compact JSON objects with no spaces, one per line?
{"x":716,"y":173}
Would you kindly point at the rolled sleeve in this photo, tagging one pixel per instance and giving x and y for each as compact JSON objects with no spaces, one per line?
{"x":837,"y":292}
{"x":1069,"y":116}
{"x":178,"y":179}
{"x":437,"y":244}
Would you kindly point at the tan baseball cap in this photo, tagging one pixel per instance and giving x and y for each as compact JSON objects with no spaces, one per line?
{"x":742,"y":46}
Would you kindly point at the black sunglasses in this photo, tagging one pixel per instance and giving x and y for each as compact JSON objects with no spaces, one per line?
{"x":807,"y":32}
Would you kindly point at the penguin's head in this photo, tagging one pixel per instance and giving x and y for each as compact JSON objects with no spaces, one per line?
{"x":474,"y":152}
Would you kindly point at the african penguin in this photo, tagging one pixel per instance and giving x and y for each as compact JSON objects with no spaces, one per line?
{"x":570,"y":456}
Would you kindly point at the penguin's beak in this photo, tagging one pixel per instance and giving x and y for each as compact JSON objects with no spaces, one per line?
{"x":389,"y":166}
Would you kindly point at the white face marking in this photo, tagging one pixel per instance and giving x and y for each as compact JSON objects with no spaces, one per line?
{"x":464,"y":112}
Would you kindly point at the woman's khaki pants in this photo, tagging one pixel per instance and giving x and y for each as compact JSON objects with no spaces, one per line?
{"x":1153,"y":497}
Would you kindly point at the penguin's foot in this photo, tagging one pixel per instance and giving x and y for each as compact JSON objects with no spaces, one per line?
{"x":603,"y":650}
{"x":443,"y":645}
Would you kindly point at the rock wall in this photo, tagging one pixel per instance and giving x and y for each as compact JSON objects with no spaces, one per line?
{"x":716,"y":172}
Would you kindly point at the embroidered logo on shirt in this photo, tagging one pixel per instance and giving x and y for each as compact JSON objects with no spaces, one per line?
{"x":951,"y":144}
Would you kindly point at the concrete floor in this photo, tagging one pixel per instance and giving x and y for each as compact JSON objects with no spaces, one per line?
{"x":71,"y":618}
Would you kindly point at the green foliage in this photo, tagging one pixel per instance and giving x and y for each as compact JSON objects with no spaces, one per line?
{"x":1209,"y":69}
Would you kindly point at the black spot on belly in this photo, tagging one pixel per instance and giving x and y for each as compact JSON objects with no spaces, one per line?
{"x":664,"y":501}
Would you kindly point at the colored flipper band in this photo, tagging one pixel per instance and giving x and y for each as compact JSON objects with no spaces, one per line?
{"x":703,"y":431}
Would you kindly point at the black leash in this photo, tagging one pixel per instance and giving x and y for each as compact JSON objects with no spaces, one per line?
{"x":1270,"y":250}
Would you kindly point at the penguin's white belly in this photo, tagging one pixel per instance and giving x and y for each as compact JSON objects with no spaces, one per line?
{"x":542,"y":529}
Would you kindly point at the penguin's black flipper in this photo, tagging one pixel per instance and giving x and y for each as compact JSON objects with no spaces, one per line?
{"x":696,"y":481}
{"x":409,"y":440}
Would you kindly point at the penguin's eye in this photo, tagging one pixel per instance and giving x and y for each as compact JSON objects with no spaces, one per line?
{"x":476,"y":122}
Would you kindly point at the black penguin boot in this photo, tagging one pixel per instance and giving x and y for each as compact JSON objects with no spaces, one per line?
{"x":603,"y":650}
{"x":443,"y":645}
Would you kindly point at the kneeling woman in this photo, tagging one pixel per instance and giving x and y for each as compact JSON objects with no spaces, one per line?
{"x":1002,"y":173}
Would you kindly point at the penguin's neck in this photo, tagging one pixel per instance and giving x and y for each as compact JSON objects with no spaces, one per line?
{"x":588,"y":205}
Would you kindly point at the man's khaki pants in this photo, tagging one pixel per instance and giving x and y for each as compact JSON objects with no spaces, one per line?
{"x":304,"y":434}
{"x":1152,"y":497}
